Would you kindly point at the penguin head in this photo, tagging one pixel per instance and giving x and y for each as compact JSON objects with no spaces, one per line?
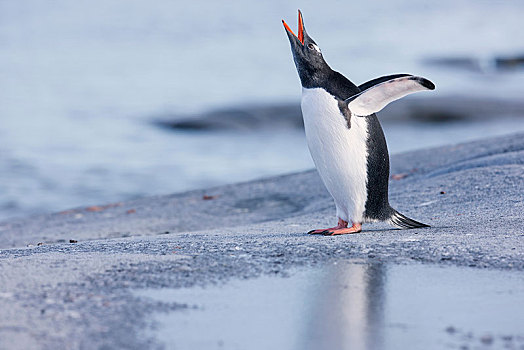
{"x":306,"y":54}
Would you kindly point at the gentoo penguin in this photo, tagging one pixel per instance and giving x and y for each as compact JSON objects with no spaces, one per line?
{"x":345,"y":138}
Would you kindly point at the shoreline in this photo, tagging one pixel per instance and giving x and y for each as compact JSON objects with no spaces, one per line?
{"x":83,"y":294}
{"x":284,"y":197}
{"x":49,"y":180}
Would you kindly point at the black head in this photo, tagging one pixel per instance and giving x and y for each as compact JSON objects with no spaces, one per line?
{"x":308,"y":58}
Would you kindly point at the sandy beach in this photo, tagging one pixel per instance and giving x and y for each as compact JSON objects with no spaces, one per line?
{"x":68,"y":280}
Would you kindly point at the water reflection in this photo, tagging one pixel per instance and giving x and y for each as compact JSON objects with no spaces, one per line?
{"x":349,"y":306}
{"x":346,"y":308}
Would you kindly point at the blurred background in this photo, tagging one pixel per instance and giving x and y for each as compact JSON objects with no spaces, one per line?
{"x":104,"y":101}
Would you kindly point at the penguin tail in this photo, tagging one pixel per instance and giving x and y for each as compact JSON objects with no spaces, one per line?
{"x":403,"y":222}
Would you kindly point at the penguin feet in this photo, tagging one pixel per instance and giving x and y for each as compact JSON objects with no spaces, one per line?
{"x":341,"y":224}
{"x":341,"y":229}
{"x":356,"y":228}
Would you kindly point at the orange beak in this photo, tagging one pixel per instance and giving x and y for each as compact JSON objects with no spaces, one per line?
{"x":300,"y":36}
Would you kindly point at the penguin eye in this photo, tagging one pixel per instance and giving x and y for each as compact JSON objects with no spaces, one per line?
{"x":312,"y":46}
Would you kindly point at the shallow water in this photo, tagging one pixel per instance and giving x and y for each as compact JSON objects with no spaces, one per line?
{"x":350,"y":305}
{"x":81,"y":84}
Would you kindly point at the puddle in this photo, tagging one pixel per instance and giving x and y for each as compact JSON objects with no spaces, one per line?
{"x":350,"y":306}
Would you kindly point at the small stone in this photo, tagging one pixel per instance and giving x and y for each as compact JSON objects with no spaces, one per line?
{"x":398,"y":176}
{"x":486,"y":339}
{"x":94,"y":208}
{"x":451,"y":330}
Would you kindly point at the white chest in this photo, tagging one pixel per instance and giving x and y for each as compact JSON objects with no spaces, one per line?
{"x":339,"y":152}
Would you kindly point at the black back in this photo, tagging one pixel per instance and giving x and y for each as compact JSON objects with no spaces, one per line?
{"x":377,"y":204}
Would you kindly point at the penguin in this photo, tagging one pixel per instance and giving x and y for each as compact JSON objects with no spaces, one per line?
{"x":344,"y":135}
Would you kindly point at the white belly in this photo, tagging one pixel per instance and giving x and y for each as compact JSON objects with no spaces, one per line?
{"x":339,"y":153}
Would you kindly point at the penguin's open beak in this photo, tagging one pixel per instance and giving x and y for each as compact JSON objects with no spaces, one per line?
{"x":300,"y":36}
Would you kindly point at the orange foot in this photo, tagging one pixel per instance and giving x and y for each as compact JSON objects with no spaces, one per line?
{"x":340,"y":229}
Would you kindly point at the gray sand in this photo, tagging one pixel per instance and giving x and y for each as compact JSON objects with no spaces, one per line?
{"x":80,"y":295}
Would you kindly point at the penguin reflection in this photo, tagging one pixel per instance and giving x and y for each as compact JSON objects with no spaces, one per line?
{"x":346,"y":309}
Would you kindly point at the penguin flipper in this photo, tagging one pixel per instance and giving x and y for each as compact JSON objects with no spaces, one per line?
{"x":404,"y":222}
{"x":380,"y":95}
{"x":376,"y":81}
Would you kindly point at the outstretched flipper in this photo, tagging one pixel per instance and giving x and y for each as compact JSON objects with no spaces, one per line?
{"x":376,"y":81}
{"x":380,"y":95}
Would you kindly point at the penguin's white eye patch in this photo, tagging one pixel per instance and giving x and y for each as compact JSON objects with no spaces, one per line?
{"x":312,"y":46}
